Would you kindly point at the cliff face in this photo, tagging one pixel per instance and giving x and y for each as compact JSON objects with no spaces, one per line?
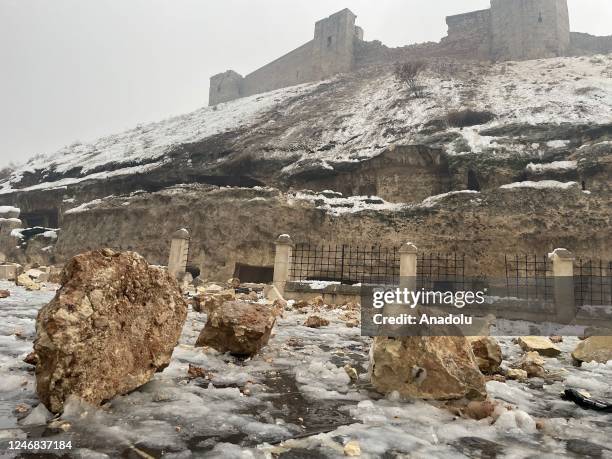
{"x":478,"y":127}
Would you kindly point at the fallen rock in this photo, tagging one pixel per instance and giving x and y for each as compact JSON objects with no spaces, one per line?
{"x":478,"y":410}
{"x":352,"y":449}
{"x":533,"y":364}
{"x":488,"y":353}
{"x":318,"y":301}
{"x":594,"y":348}
{"x":207,"y":302}
{"x":301,"y":304}
{"x":556,"y":339}
{"x":516,"y":374}
{"x":432,"y":368}
{"x":112,"y":325}
{"x":4,"y":294}
{"x":539,"y":344}
{"x":25,"y":281}
{"x":198,"y":372}
{"x":238,"y":327}
{"x":234,"y":282}
{"x":316,"y":322}
{"x":31,"y":359}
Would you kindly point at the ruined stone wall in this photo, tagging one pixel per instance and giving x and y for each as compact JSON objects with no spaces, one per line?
{"x":330,"y":52}
{"x":529,"y":29}
{"x":469,"y":35}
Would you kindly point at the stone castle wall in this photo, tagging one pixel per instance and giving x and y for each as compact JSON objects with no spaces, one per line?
{"x":509,"y":30}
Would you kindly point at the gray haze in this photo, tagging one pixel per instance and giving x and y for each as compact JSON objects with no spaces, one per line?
{"x":75,"y":70}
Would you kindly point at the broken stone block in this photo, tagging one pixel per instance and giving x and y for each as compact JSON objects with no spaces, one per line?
{"x":432,"y":368}
{"x":209,"y":302}
{"x":238,"y":327}
{"x":540,"y":344}
{"x":316,"y":322}
{"x":594,"y":348}
{"x":533,"y":364}
{"x":488,"y":353}
{"x":112,"y":325}
{"x":25,"y":281}
{"x":517,"y":374}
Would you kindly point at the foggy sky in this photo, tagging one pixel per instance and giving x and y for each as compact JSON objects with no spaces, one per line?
{"x":79,"y":69}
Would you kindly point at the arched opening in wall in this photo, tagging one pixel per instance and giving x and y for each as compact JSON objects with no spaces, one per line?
{"x":254,"y":274}
{"x":193,"y":270}
{"x":472,"y":181}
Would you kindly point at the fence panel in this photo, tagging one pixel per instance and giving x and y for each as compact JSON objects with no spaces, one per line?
{"x":529,"y":277}
{"x":593,"y":283}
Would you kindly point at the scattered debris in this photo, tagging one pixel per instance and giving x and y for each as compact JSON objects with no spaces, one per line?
{"x":488,"y":353}
{"x":316,"y":322}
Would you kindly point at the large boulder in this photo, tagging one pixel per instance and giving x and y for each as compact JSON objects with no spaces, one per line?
{"x":238,"y":327}
{"x":594,"y":348}
{"x":488,"y":353}
{"x":432,"y":368}
{"x":113,"y":323}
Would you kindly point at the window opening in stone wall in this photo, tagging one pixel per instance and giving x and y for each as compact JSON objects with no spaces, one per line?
{"x":540,"y":18}
{"x":329,"y":41}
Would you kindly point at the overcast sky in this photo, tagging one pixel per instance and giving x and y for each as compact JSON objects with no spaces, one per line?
{"x":79,"y":69}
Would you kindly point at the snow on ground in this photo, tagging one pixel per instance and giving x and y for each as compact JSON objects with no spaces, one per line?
{"x":367,"y":116}
{"x":432,"y":201}
{"x":541,"y":185}
{"x":147,"y":144}
{"x":335,"y":204}
{"x":554,"y":166}
{"x":296,"y":390}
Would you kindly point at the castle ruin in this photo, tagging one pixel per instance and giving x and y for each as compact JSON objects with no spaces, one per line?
{"x":509,"y":30}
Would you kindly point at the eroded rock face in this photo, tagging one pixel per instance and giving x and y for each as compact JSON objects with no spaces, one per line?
{"x":488,"y":353}
{"x":594,"y":348}
{"x":114,"y":323}
{"x":238,"y":327}
{"x":433,"y":368}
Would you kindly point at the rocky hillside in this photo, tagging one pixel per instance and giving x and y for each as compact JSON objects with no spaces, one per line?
{"x":523,"y":148}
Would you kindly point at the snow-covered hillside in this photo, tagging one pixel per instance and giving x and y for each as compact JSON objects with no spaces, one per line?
{"x":351,"y":118}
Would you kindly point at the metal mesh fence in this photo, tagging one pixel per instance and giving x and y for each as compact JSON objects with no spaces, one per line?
{"x":529,"y":277}
{"x":593,"y":283}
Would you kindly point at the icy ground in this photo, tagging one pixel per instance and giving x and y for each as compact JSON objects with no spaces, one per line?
{"x":295,"y":389}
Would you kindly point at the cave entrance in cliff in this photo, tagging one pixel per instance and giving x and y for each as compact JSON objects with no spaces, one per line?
{"x":254,"y":274}
{"x":44,"y":218}
{"x":472,"y":181}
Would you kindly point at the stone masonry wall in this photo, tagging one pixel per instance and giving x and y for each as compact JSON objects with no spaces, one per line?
{"x":469,"y":35}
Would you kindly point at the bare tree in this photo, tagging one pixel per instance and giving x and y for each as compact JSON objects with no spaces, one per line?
{"x":408,"y":74}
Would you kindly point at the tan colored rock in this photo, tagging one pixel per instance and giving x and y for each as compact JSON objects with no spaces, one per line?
{"x":433,"y":368}
{"x":318,"y":301}
{"x":234,"y":282}
{"x":516,"y":374}
{"x":238,"y":327}
{"x":31,"y":359}
{"x":4,"y":294}
{"x":488,"y":353}
{"x":316,"y":322}
{"x":352,"y":449}
{"x":594,"y":348}
{"x":540,"y":344}
{"x":112,"y":325}
{"x":206,"y":302}
{"x":26,"y":282}
{"x":301,"y":304}
{"x":556,"y":339}
{"x":533,"y":364}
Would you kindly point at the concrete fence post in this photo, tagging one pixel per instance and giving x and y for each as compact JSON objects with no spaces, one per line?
{"x":281,"y":262}
{"x":563,"y":272}
{"x":179,"y":252}
{"x":408,"y":265}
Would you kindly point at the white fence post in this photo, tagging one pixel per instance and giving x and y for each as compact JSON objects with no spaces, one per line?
{"x":281,"y":262}
{"x":408,"y":265}
{"x":179,"y":252}
{"x":563,"y":272}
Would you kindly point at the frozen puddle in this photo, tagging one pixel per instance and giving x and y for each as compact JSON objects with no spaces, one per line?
{"x":294,"y":400}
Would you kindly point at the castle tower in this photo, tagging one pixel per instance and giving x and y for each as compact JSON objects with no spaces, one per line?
{"x":333,"y":44}
{"x":529,"y":29}
{"x":224,"y":87}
